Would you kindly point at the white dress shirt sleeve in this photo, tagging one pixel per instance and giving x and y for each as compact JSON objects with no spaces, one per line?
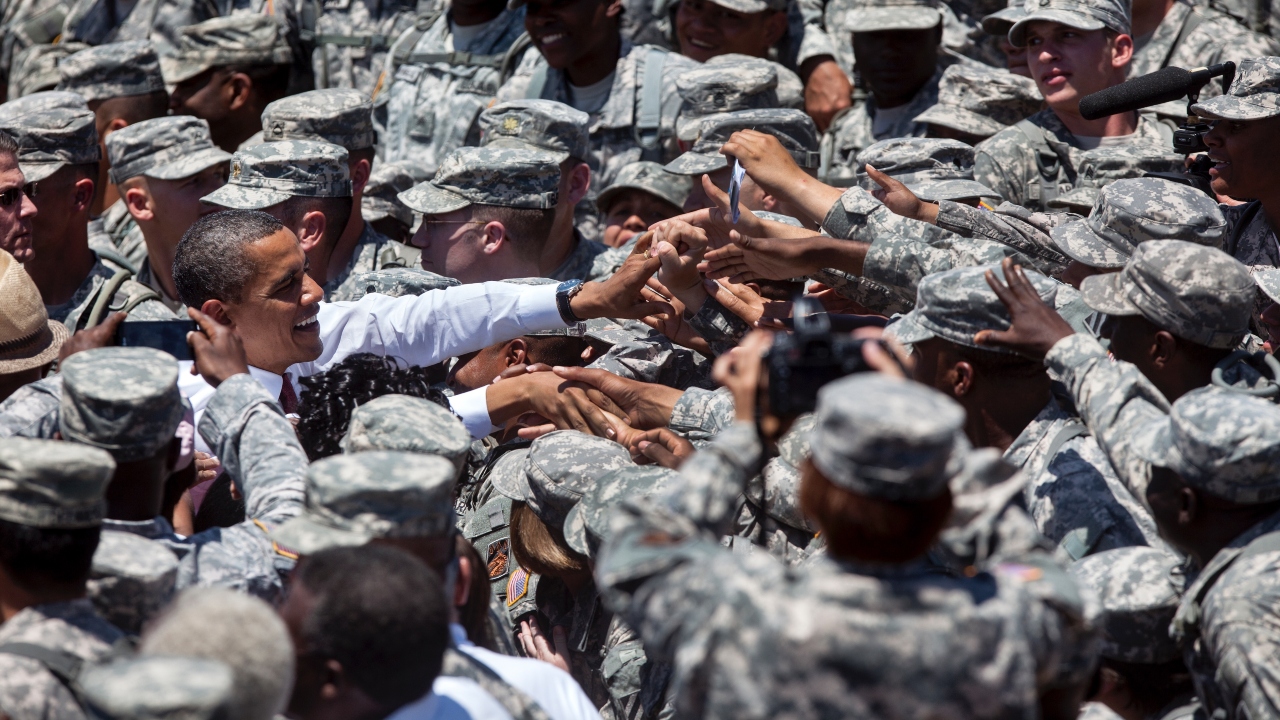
{"x":473,"y":407}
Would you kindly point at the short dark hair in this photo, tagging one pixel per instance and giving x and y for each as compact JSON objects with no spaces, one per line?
{"x":271,"y":82}
{"x":997,"y":364}
{"x":8,"y":144}
{"x":329,"y":398}
{"x":556,"y":350}
{"x":336,"y":211}
{"x":528,"y":228}
{"x":37,"y":558}
{"x":381,"y":613}
{"x":133,"y":108}
{"x":211,"y":262}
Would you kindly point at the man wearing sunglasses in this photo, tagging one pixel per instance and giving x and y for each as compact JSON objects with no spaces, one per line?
{"x":16,"y":209}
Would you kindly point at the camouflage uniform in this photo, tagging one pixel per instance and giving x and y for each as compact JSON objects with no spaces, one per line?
{"x":1071,"y":492}
{"x":690,"y":599}
{"x":53,"y":485}
{"x":270,"y":173}
{"x":379,"y":200}
{"x":167,"y":148}
{"x":981,"y":101}
{"x":49,"y":140}
{"x":398,"y":282}
{"x":24,"y":24}
{"x":407,"y":424}
{"x":728,"y":83}
{"x":36,"y":68}
{"x":638,"y":120}
{"x":240,"y":39}
{"x":96,"y":22}
{"x":131,"y":580}
{"x":437,"y":90}
{"x":352,"y":40}
{"x":147,"y":688}
{"x":344,"y":118}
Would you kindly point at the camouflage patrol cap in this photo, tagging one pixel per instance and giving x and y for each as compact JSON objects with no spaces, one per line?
{"x":132,"y":577}
{"x":586,"y":526}
{"x":1139,"y":590}
{"x":341,"y":116}
{"x":932,"y":168}
{"x":879,"y":15}
{"x":751,"y":6}
{"x":982,"y":101}
{"x":119,"y":69}
{"x":1222,"y":442}
{"x":559,"y":468}
{"x":380,"y":199}
{"x":518,"y":177}
{"x":166,"y":148}
{"x":1254,"y":93}
{"x":713,"y":89}
{"x":554,"y":127}
{"x":247,"y":39}
{"x":352,"y":499}
{"x":124,"y":400}
{"x":270,"y":173}
{"x":649,"y":177}
{"x":398,"y":282}
{"x":793,"y":128}
{"x":1198,"y":293}
{"x":997,"y":24}
{"x":407,"y":424}
{"x":1269,"y":280}
{"x":1129,"y":212}
{"x":158,"y":687}
{"x":1102,"y":166}
{"x":887,"y":438}
{"x":49,"y":140}
{"x":36,"y":68}
{"x":1079,"y":14}
{"x":790,"y":89}
{"x":44,"y":100}
{"x":956,"y":304}
{"x":53,"y":484}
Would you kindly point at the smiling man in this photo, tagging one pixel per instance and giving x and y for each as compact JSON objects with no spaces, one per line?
{"x":1074,"y":48}
{"x":706,"y":29}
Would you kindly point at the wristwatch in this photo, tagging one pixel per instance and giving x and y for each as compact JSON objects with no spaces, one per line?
{"x":564,"y":294}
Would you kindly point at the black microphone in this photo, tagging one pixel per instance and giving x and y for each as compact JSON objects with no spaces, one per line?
{"x":1164,"y":85}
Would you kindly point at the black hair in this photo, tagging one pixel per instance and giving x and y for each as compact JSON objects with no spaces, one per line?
{"x":37,"y":558}
{"x":270,"y":82}
{"x":211,"y":262}
{"x":997,"y":364}
{"x":336,"y":211}
{"x":329,"y":398}
{"x":219,"y":508}
{"x":556,"y":349}
{"x":382,"y":614}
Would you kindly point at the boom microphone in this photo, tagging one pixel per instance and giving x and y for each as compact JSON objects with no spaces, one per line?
{"x":1164,"y":85}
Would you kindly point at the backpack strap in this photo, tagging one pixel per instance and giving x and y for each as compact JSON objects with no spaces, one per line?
{"x":1069,"y":432}
{"x":537,"y":83}
{"x":100,"y":303}
{"x":514,"y":700}
{"x":403,"y":47}
{"x":1189,"y":25}
{"x":647,"y":128}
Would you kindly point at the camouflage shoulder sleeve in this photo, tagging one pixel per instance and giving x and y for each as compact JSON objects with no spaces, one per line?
{"x":32,"y":411}
{"x":714,"y":478}
{"x":720,"y":328}
{"x":1028,"y":235}
{"x":873,"y":296}
{"x":849,"y":214}
{"x":815,"y":41}
{"x":700,"y":414}
{"x":997,"y":163}
{"x":901,"y":261}
{"x":1114,"y":400}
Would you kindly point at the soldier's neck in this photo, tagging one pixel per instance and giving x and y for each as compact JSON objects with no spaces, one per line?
{"x":346,"y":245}
{"x":599,"y":63}
{"x":559,"y":247}
{"x":15,"y":599}
{"x":1111,"y":126}
{"x":136,"y":493}
{"x":160,"y":257}
{"x":59,"y":267}
{"x":997,"y":418}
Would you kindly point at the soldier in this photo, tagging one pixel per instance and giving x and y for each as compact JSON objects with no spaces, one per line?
{"x":1071,"y":492}
{"x":1104,"y":165}
{"x":405,"y":500}
{"x":442,"y":73}
{"x":226,"y":71}
{"x":997,"y":25}
{"x":343,"y":118}
{"x":706,"y":29}
{"x":352,"y":40}
{"x":32,"y":339}
{"x":131,"y":579}
{"x":163,"y":168}
{"x":881,"y":448}
{"x":149,"y":688}
{"x":1036,"y":160}
{"x":644,"y":193}
{"x":58,"y":153}
{"x":557,"y":128}
{"x":242,"y":425}
{"x":1243,"y":167}
{"x":976,"y":102}
{"x":380,"y":205}
{"x":407,"y":424}
{"x":898,"y":53}
{"x":583,"y":61}
{"x":51,"y":510}
{"x":307,"y":186}
{"x":1141,"y":672}
{"x":122,"y":84}
{"x":732,"y":83}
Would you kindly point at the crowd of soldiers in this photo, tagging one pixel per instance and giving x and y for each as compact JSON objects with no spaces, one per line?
{"x":581,"y":359}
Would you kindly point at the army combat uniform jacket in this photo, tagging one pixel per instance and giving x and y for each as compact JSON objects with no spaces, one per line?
{"x":105,"y":291}
{"x":373,"y":251}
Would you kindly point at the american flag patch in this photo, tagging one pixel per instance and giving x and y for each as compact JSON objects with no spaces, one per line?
{"x":517,"y":586}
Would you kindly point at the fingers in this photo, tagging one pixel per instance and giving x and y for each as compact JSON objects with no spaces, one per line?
{"x":112,"y":323}
{"x":881,"y":179}
{"x":561,"y":641}
{"x":880,"y":360}
{"x":642,"y":243}
{"x":716,"y":195}
{"x":535,"y":432}
{"x":644,"y":309}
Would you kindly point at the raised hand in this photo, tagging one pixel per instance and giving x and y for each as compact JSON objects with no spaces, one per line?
{"x":95,"y":337}
{"x":746,"y":303}
{"x":620,"y":296}
{"x":662,"y":447}
{"x":762,"y":258}
{"x":900,"y":200}
{"x":1035,"y":327}
{"x":827,"y":90}
{"x":767,"y":162}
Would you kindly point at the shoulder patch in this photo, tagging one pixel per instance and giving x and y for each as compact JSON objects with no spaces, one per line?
{"x":517,"y":586}
{"x":498,"y":558}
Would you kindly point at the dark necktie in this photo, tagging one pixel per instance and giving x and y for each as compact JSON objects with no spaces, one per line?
{"x":288,"y":397}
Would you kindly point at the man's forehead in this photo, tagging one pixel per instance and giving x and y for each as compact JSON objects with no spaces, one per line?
{"x":10,"y":174}
{"x":276,"y":252}
{"x":1047,"y":28}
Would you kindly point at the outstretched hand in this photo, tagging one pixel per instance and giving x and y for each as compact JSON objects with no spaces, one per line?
{"x":1035,"y":326}
{"x":766,"y":161}
{"x":643,"y":405}
{"x":761,"y":258}
{"x":900,"y":200}
{"x":746,"y":303}
{"x":620,"y":296}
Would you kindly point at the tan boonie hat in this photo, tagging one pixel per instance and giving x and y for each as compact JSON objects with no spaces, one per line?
{"x":247,"y":39}
{"x":28,"y":338}
{"x":53,"y":484}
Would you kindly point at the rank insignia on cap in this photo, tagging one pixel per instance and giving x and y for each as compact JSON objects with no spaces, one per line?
{"x":499,"y":552}
{"x":517,"y":586}
{"x":510,"y":125}
{"x":235,"y":170}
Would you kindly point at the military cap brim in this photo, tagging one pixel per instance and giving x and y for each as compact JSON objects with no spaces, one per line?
{"x":306,"y":535}
{"x":189,"y":165}
{"x":1079,"y":242}
{"x":958,"y":189}
{"x":1079,"y":200}
{"x":239,"y":197}
{"x":35,"y":172}
{"x":878,"y":19}
{"x":1018,"y":33}
{"x":1104,"y":294}
{"x":575,"y":531}
{"x":999,"y":22}
{"x":609,"y":193}
{"x":428,"y":199}
{"x":958,"y":118}
{"x":1153,"y":441}
{"x":1269,"y":281}
{"x":1230,"y":107}
{"x":692,"y":163}
{"x":508,"y":477}
{"x":908,"y":330}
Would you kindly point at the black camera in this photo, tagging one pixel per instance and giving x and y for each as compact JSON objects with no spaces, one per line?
{"x":800,"y":363}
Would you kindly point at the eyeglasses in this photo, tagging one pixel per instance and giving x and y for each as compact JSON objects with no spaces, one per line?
{"x":10,"y":196}
{"x":31,"y":189}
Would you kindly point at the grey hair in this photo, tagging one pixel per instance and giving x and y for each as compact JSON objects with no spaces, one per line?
{"x":241,"y":631}
{"x":7,"y":144}
{"x":211,"y":262}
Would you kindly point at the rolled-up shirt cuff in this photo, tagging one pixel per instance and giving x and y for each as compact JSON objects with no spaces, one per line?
{"x":538,"y":309}
{"x":473,"y":408}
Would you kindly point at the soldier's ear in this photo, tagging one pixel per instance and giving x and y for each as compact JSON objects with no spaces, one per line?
{"x":517,"y":352}
{"x":614,"y":9}
{"x":775,"y":27}
{"x":138,"y":203}
{"x":961,"y":378}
